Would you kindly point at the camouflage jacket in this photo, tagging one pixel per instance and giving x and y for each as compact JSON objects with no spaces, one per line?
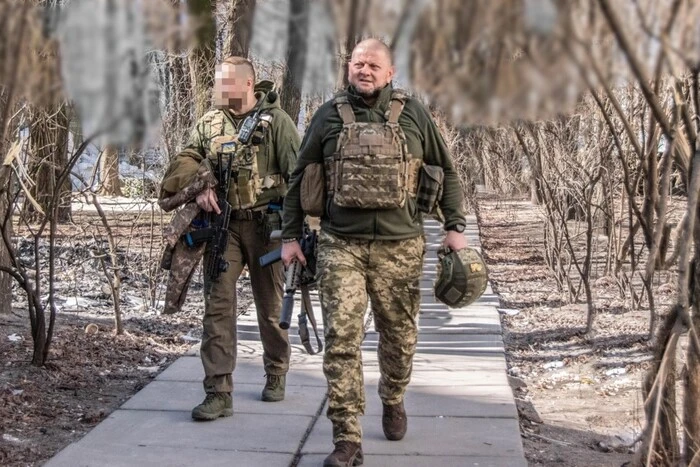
{"x":180,"y":259}
{"x":423,"y":141}
{"x":275,"y":156}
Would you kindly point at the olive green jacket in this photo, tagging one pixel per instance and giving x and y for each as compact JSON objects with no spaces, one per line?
{"x":277,"y":154}
{"x":424,"y":141}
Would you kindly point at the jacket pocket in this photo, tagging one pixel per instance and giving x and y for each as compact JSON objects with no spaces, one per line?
{"x":429,"y":191}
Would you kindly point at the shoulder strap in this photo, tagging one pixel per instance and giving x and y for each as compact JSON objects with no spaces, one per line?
{"x":398,"y":100}
{"x":344,"y":109}
{"x":307,"y":310}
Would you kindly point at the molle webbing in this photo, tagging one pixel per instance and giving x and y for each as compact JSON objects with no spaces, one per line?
{"x":371,"y":167}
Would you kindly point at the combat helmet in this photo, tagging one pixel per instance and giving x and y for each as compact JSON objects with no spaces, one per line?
{"x":461,"y":277}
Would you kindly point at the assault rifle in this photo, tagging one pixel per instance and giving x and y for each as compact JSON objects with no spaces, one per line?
{"x":215,"y":229}
{"x":300,"y":277}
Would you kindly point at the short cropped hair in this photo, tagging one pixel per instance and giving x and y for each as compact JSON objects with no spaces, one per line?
{"x":240,"y":61}
{"x":377,"y":44}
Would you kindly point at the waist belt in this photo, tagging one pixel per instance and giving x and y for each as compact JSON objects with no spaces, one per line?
{"x":247,"y":215}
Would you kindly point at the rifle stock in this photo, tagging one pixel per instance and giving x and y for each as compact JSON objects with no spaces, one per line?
{"x":271,"y":257}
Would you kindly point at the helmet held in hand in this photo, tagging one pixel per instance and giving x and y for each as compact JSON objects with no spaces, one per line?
{"x":461,"y":277}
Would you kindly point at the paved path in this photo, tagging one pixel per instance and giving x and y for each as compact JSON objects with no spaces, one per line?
{"x":461,"y":409}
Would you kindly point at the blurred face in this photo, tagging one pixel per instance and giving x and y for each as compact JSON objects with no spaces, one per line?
{"x":369,"y":70}
{"x":233,"y":86}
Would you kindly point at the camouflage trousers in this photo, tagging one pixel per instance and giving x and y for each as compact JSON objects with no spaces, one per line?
{"x":350,"y":271}
{"x":219,"y":340}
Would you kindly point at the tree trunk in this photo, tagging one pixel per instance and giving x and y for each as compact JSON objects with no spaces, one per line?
{"x":48,"y":136}
{"x":296,"y":58}
{"x":63,"y":210}
{"x":178,"y":120}
{"x":11,"y":54}
{"x":5,"y":197}
{"x":48,"y":145}
{"x":203,"y":53}
{"x":691,"y":416}
{"x":240,"y":24}
{"x":691,"y":409}
{"x":109,"y":172}
{"x":345,"y":16}
{"x":660,"y":408}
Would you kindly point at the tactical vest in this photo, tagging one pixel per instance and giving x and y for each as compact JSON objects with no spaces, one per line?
{"x":246,"y":183}
{"x":371,"y":167}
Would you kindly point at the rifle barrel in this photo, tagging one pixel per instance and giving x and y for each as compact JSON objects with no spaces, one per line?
{"x":287,"y":309}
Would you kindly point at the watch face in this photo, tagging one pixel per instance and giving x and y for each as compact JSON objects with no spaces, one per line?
{"x":458,"y":228}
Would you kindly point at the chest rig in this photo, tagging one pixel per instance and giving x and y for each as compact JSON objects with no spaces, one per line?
{"x":371,"y":167}
{"x":246,"y":184}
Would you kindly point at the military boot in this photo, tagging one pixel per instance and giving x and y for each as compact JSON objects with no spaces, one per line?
{"x":274,"y":388}
{"x":394,"y":421}
{"x":215,"y":405}
{"x":345,"y":454}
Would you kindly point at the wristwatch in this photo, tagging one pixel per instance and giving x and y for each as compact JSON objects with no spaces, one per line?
{"x":290,"y":240}
{"x":457,"y":228}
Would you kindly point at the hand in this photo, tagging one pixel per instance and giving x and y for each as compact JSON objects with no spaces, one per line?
{"x":455,"y":240}
{"x":291,"y":251}
{"x":208,"y":201}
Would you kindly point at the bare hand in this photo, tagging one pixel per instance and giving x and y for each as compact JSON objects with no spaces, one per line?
{"x":455,"y":240}
{"x":291,"y":251}
{"x":208,"y":201}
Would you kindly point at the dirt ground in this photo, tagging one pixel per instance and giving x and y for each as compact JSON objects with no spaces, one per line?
{"x":89,"y":374}
{"x":578,"y":397}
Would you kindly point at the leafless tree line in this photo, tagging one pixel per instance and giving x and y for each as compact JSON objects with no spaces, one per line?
{"x":607,"y":156}
{"x":590,"y":106}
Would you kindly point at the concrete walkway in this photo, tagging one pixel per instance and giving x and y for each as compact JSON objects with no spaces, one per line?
{"x":461,"y":409}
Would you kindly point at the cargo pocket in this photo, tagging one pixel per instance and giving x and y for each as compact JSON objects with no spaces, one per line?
{"x":271,"y":222}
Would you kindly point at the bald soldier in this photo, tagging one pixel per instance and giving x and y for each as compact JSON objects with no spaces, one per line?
{"x":374,"y":141}
{"x":259,"y":177}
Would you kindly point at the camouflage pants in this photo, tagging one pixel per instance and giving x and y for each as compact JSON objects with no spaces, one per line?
{"x":350,"y":271}
{"x":219,"y":341}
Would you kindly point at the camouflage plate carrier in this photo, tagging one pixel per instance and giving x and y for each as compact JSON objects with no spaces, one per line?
{"x":371,"y":167}
{"x":246,"y":184}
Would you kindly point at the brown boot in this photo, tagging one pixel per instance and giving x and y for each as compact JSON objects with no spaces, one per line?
{"x":394,"y":421}
{"x":345,"y":454}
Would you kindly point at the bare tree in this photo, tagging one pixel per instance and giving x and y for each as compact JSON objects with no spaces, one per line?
{"x":14,"y":30}
{"x":48,"y":127}
{"x":48,"y":136}
{"x":239,"y":23}
{"x":349,"y":17}
{"x":176,"y":83}
{"x":203,"y":54}
{"x":109,"y":171}
{"x":296,"y":58}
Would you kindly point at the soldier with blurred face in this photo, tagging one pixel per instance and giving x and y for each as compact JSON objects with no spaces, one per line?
{"x":374,"y":141}
{"x":259,"y":177}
